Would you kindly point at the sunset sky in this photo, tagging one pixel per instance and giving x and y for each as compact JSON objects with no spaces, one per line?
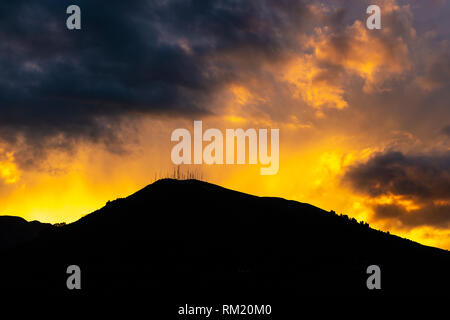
{"x":364,"y":115}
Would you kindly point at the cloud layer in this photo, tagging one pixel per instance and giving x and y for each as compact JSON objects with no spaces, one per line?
{"x":160,"y":57}
{"x":412,"y":189}
{"x":177,"y":57}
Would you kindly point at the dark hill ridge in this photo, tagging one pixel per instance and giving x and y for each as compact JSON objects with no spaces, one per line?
{"x":15,"y":231}
{"x":188,"y":236}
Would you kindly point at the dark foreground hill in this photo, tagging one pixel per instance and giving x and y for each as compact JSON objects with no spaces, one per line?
{"x":15,"y":231}
{"x":192,"y":237}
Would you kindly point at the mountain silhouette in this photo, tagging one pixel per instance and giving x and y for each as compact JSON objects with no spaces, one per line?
{"x":188,"y":236}
{"x":15,"y":231}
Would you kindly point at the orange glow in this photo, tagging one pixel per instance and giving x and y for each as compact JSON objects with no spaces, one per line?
{"x":303,"y":74}
{"x":309,"y":172}
{"x":407,"y":204}
{"x":367,"y":56}
{"x":8,"y":169}
{"x":242,"y":95}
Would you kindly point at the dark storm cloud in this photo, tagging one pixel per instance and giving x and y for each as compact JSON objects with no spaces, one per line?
{"x":130,"y":57}
{"x":446,"y":130}
{"x":436,"y":215}
{"x":423,"y":179}
{"x":437,"y":69}
{"x":395,"y":173}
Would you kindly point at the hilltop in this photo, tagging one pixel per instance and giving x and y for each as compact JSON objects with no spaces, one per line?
{"x":188,"y":236}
